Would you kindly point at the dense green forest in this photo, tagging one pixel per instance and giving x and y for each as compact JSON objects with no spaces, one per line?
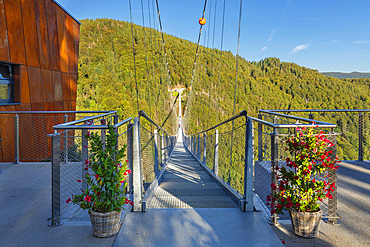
{"x":106,"y":77}
{"x":352,"y":75}
{"x":107,"y":82}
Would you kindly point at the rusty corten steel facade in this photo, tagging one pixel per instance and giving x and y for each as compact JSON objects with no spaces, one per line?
{"x":41,"y":40}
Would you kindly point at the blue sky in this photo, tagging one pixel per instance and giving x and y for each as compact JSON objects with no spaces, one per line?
{"x":327,"y":35}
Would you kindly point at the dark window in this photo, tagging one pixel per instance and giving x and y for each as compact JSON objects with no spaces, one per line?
{"x":6,"y":83}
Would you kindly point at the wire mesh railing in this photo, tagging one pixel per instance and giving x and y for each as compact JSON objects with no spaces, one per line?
{"x":254,"y":148}
{"x":153,"y":146}
{"x":222,"y":151}
{"x":271,"y":151}
{"x":353,"y":126}
{"x":70,"y":152}
{"x":23,"y":134}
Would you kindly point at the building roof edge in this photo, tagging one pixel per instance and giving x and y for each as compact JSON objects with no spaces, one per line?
{"x":74,"y":18}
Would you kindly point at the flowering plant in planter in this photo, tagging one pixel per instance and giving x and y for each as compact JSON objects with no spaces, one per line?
{"x":105,"y":190}
{"x":298,"y":187}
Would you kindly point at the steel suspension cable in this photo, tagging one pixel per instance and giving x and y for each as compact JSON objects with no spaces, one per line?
{"x":235,"y":86}
{"x":219,"y":76}
{"x":205,"y":49}
{"x":146,"y":58}
{"x":213,"y":46}
{"x":158,"y":94}
{"x":133,"y":52}
{"x":196,"y":51}
{"x":194,"y":64}
{"x":165,"y":54}
{"x":164,"y":45}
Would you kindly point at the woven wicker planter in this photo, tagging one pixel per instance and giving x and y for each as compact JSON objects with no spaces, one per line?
{"x":105,"y":225}
{"x":305,"y":224}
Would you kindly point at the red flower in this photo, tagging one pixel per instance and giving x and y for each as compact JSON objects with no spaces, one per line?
{"x":273,"y":186}
{"x":79,"y":180}
{"x":68,"y":200}
{"x":97,"y":176}
{"x":87,"y":198}
{"x":87,"y":162}
{"x":122,"y":182}
{"x":126,"y":161}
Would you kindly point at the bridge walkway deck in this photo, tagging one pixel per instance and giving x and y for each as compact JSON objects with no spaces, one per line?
{"x":190,"y":209}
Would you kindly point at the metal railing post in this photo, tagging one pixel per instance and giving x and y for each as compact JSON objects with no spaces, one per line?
{"x":274,"y":164}
{"x":85,"y":156}
{"x":137,"y":167}
{"x":55,"y":182}
{"x":65,"y":140}
{"x":198,"y":150}
{"x":130,"y":155}
{"x":215,"y":165}
{"x":260,"y":136}
{"x":205,"y":149}
{"x":248,"y":166}
{"x":115,"y":119}
{"x":156,"y":162}
{"x":103,"y":134}
{"x":16,"y":136}
{"x":162,"y":148}
{"x":332,"y":203}
{"x":360,"y":137}
{"x":191,"y":143}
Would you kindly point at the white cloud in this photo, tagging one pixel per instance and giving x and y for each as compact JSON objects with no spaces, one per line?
{"x":300,"y":48}
{"x":362,"y":42}
{"x":334,"y":41}
{"x":271,"y":36}
{"x":264,"y":49}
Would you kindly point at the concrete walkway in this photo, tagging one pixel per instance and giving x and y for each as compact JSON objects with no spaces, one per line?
{"x":190,"y":209}
{"x":25,"y":205}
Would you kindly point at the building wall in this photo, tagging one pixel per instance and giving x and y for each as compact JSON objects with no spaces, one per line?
{"x":42,"y":41}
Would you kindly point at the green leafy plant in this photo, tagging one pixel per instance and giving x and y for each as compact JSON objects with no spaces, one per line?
{"x":298,"y":185}
{"x":105,"y":190}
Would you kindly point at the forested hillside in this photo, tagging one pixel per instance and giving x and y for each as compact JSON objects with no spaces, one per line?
{"x":352,"y":75}
{"x":107,"y":82}
{"x":106,"y":77}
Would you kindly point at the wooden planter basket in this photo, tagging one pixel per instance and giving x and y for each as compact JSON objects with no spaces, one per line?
{"x":105,"y":224}
{"x":305,"y":224}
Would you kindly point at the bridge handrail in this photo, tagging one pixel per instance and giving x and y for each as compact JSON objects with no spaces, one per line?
{"x":320,"y":123}
{"x":71,"y":125}
{"x":322,"y":110}
{"x":144,"y":115}
{"x":240,"y":114}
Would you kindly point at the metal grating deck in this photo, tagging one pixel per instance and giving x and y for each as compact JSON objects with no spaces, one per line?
{"x":185,"y":184}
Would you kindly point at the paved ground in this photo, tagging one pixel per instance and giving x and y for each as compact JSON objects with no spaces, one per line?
{"x":25,"y":205}
{"x":353,"y":207}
